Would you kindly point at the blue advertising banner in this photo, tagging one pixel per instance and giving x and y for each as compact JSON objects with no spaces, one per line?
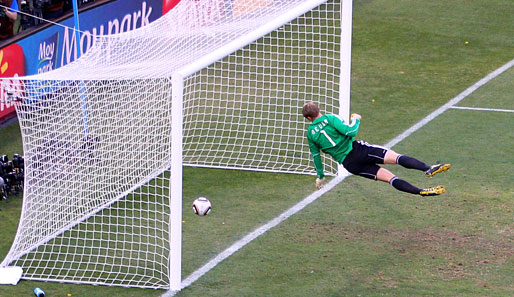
{"x":56,"y":46}
{"x":48,"y":51}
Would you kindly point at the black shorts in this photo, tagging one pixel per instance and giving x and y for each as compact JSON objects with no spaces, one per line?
{"x":363,"y":159}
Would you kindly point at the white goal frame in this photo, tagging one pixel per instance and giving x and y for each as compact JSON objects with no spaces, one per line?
{"x":177,"y":81}
{"x":178,"y":87}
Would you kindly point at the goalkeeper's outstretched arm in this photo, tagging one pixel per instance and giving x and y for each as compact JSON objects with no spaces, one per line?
{"x":312,"y":112}
{"x":318,"y":164}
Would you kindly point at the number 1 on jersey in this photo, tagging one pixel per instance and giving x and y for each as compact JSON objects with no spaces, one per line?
{"x":328,"y":137}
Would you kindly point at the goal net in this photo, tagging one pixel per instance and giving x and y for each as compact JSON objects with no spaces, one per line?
{"x":212,"y":83}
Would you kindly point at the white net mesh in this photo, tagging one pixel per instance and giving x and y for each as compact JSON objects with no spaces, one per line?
{"x":97,"y":132}
{"x":244,"y":111}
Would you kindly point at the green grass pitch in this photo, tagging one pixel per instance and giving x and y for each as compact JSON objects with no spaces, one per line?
{"x":363,"y":237}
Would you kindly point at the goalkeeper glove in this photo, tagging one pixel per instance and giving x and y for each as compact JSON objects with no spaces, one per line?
{"x":355,"y":116}
{"x":319,"y":183}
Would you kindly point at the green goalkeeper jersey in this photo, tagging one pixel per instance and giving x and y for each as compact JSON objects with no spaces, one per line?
{"x":332,"y":136}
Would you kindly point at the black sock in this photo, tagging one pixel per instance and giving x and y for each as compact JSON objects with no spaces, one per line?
{"x":411,"y":163}
{"x":404,"y":186}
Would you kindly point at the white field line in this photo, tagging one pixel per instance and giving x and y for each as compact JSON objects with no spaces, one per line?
{"x":482,"y":109}
{"x":334,"y":182}
{"x":450,"y":104}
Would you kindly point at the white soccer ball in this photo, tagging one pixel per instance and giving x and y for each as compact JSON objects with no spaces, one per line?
{"x":202,"y":206}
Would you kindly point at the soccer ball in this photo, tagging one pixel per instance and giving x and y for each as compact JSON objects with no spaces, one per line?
{"x":202,"y":206}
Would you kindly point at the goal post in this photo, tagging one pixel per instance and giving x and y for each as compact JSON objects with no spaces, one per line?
{"x":213,"y":83}
{"x":175,"y":277}
{"x":346,"y":67}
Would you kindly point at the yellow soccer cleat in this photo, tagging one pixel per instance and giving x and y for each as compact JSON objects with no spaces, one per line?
{"x":433,"y":191}
{"x":434,"y":169}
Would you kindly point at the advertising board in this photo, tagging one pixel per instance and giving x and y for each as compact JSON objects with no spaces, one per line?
{"x":56,"y":46}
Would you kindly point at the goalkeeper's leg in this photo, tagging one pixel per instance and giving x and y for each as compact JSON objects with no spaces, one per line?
{"x":391,"y":157}
{"x":404,"y":186}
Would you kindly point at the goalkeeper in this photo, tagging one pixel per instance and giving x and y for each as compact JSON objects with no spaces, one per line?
{"x":329,"y":134}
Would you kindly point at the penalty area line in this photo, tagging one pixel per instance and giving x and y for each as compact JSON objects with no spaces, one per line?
{"x":482,"y":109}
{"x":334,"y":182}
